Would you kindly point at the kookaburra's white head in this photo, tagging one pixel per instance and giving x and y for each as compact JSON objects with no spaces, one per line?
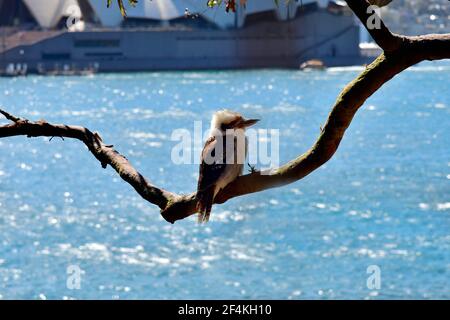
{"x":224,"y":120}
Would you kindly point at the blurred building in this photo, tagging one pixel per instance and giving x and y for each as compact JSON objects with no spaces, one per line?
{"x":415,"y":17}
{"x":52,"y":35}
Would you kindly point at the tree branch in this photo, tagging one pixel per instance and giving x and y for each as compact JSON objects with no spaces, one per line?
{"x":401,"y":52}
{"x":104,"y":153}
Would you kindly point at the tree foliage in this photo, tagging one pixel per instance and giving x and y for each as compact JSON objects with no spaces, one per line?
{"x":122,"y":6}
{"x":230,"y":5}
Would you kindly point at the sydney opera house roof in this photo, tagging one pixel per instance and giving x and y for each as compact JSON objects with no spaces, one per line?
{"x":44,"y":13}
{"x":49,"y":13}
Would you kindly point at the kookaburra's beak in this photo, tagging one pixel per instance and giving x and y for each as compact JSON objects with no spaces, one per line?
{"x":247,"y":123}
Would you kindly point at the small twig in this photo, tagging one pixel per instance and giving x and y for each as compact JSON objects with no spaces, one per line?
{"x":51,"y":138}
{"x":252,"y":168}
{"x":9,"y":116}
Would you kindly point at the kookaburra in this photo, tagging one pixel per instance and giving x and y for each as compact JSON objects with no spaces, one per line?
{"x":222,"y":159}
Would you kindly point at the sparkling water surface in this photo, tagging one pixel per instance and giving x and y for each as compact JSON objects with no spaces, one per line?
{"x":384,"y":198}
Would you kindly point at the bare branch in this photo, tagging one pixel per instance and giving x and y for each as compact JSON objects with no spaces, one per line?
{"x":105,"y":154}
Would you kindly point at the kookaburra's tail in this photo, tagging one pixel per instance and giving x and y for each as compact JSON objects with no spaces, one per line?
{"x":205,"y":199}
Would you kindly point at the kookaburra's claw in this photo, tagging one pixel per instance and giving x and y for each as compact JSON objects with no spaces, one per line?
{"x":252,"y":168}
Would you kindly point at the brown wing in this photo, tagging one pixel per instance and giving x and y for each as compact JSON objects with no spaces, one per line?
{"x":208,"y":176}
{"x":209,"y":173}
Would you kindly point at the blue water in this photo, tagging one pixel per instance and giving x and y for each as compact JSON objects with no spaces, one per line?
{"x":384,"y":199}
